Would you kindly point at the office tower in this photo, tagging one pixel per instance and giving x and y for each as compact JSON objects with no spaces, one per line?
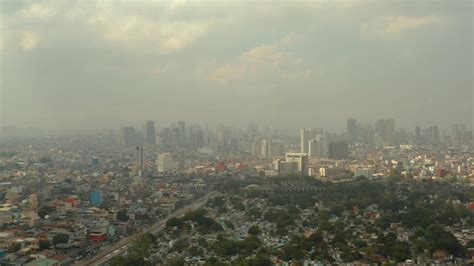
{"x":264,"y":149}
{"x":313,"y":149}
{"x":304,"y":140}
{"x":175,"y":137}
{"x":455,"y":131}
{"x":140,"y":160}
{"x":256,"y":148}
{"x":338,"y":150}
{"x":150,"y":133}
{"x":127,"y":136}
{"x":181,"y":134}
{"x":352,"y":129}
{"x":166,"y":137}
{"x":318,"y":147}
{"x":301,"y":159}
{"x":197,"y":138}
{"x":418,"y":135}
{"x":385,"y":128}
{"x":223,"y":135}
{"x":436,"y":136}
{"x":165,"y":162}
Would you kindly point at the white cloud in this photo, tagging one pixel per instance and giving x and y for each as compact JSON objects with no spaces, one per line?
{"x":29,"y":41}
{"x":162,"y":35}
{"x":261,"y":64}
{"x":37,"y":11}
{"x":389,"y":26}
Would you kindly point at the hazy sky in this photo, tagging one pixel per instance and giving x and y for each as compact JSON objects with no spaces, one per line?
{"x":99,"y":64}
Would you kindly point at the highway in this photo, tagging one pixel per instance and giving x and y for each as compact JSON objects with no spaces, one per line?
{"x":120,"y":247}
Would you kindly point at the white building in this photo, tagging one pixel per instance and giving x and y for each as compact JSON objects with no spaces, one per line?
{"x":301,"y":159}
{"x":165,"y":162}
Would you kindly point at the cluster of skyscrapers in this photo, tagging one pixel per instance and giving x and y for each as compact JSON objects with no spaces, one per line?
{"x":384,"y":133}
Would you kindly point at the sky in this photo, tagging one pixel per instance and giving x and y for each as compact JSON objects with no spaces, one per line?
{"x":87,"y":65}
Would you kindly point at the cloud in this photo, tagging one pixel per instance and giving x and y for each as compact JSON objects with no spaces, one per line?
{"x":264,"y":63}
{"x":37,"y":11}
{"x":29,"y":41}
{"x":389,"y":26}
{"x":162,"y":35}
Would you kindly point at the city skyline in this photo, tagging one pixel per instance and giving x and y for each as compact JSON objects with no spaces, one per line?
{"x":94,"y":65}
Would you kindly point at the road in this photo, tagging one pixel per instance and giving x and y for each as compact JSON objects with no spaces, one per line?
{"x":118,"y":248}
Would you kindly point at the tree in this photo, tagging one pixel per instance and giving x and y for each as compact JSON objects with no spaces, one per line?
{"x":138,"y":250}
{"x":258,"y":261}
{"x":400,"y":251}
{"x":438,"y":238}
{"x":254,"y":230}
{"x":213,"y":261}
{"x":122,"y":215}
{"x":141,"y":245}
{"x":44,"y":244}
{"x":174,"y":221}
{"x":292,"y":252}
{"x":177,"y":261}
{"x":180,"y":244}
{"x":229,"y":224}
{"x":60,"y":238}
{"x":44,"y":210}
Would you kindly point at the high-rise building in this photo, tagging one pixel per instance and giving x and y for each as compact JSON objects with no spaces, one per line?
{"x":338,"y":150}
{"x":166,"y":137}
{"x":150,"y":133}
{"x":436,"y":136}
{"x":318,"y":147}
{"x":385,"y":128}
{"x":223,"y":135}
{"x":418,"y":135}
{"x":140,"y":160}
{"x":127,"y":136}
{"x":181,"y":137}
{"x":304,"y":140}
{"x":352,"y":129}
{"x":165,"y":162}
{"x":264,"y":148}
{"x":301,"y":159}
{"x":197,"y":138}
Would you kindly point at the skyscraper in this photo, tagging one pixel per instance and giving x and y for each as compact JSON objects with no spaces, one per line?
{"x":385,"y":128}
{"x":166,"y":138}
{"x":418,"y":135}
{"x":352,"y":129}
{"x":318,"y":147}
{"x":127,"y":135}
{"x":305,"y":136}
{"x":181,"y":136}
{"x":338,"y":150}
{"x":150,"y":133}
